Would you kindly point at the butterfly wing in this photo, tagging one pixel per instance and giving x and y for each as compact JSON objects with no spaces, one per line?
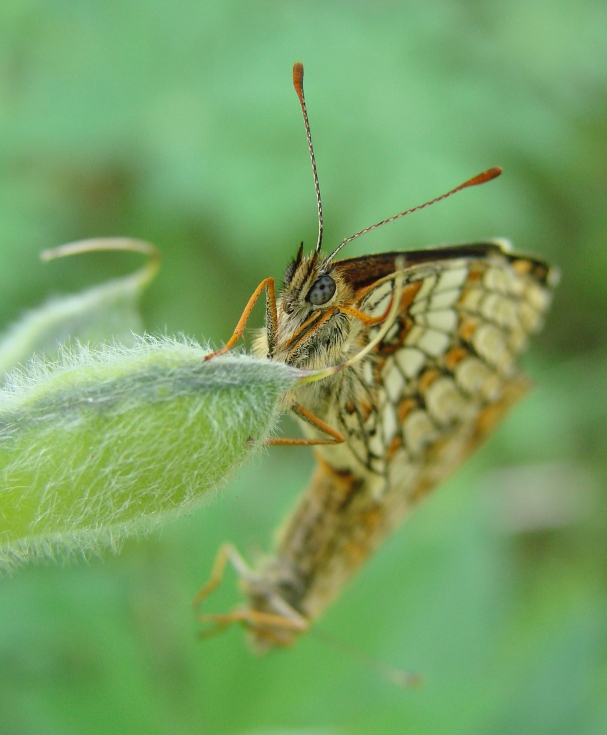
{"x":413,"y":409}
{"x":447,"y":370}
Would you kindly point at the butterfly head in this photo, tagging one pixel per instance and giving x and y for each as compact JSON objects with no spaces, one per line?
{"x":309,"y":326}
{"x":308,"y":316}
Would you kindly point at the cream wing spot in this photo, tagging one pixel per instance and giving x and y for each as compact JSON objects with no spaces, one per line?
{"x":376,"y":445}
{"x":457,"y":263}
{"x":492,"y":388}
{"x":444,"y":320}
{"x":414,"y":334}
{"x":427,"y":285}
{"x":358,"y":447}
{"x":387,"y":368}
{"x":378,"y":465}
{"x":433,"y":342}
{"x":504,"y":244}
{"x":490,"y":343}
{"x":377,"y":301}
{"x":488,"y":305}
{"x":495,"y":280}
{"x":419,"y":307}
{"x":538,"y":297}
{"x":367,"y":372}
{"x":444,"y":401}
{"x":471,"y":374}
{"x":506,"y":314}
{"x":393,"y":382}
{"x":380,"y":308}
{"x":370,"y":424}
{"x":445,"y":299}
{"x":381,"y":398}
{"x":471,"y":298}
{"x":517,"y":341}
{"x":419,"y":431}
{"x":451,"y":279}
{"x":499,"y":309}
{"x":530,"y":319}
{"x":514,"y":285}
{"x":389,"y":423}
{"x":442,"y":300}
{"x":410,"y":361}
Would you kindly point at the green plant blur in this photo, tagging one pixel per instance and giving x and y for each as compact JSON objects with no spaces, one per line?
{"x":175,"y":122}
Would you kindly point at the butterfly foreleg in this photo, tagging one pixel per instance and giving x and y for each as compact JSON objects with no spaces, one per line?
{"x":368,"y":321}
{"x":271,"y":318}
{"x":335,"y":436}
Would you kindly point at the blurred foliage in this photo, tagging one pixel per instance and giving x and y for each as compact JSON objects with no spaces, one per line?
{"x":175,"y":122}
{"x":107,"y":310}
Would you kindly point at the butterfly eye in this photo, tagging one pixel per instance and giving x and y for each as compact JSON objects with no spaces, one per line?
{"x":322,"y":291}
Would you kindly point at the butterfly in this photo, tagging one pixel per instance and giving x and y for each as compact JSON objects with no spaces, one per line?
{"x":390,"y":427}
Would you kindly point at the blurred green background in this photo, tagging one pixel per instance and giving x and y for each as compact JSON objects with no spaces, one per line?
{"x":176,"y":122}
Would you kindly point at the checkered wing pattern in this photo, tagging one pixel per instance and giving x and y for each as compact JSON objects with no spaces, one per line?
{"x":447,"y":370}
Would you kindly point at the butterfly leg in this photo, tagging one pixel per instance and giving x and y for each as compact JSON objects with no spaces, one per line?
{"x":286,"y":620}
{"x":368,"y":321}
{"x":227,"y":553}
{"x":254,"y":619}
{"x":271,"y":317}
{"x":407,"y":296}
{"x":335,"y":436}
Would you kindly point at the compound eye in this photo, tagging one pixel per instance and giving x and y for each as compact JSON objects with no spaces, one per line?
{"x":322,"y":291}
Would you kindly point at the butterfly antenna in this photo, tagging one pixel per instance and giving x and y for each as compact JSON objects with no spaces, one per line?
{"x":298,"y":74}
{"x":482,"y":178}
{"x":404,"y":679}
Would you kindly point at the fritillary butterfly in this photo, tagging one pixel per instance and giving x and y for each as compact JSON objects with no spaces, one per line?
{"x":400,"y":420}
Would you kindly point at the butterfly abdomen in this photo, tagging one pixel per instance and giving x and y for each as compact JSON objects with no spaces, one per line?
{"x":335,"y":526}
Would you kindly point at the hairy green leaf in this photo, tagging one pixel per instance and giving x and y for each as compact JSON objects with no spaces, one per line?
{"x":100,"y":445}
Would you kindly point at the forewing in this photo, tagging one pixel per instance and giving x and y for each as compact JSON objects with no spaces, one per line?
{"x":447,"y":370}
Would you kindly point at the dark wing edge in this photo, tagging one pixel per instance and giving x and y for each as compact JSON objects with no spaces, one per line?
{"x":361,"y":272}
